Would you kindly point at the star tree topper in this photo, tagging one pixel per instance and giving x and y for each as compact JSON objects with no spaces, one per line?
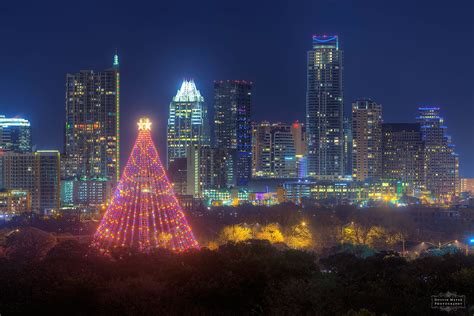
{"x":144,"y":124}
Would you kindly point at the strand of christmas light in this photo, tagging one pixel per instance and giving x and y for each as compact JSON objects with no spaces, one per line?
{"x":144,"y":212}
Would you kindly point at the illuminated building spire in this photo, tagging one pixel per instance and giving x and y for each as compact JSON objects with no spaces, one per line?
{"x":116,"y":60}
{"x":144,"y":213}
{"x":188,"y":92}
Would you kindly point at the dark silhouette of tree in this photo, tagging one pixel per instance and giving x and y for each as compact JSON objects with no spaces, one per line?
{"x":28,"y":244}
{"x":252,"y":277}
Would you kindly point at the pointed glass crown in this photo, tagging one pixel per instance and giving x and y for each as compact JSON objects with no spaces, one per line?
{"x":116,"y":60}
{"x":188,"y":93}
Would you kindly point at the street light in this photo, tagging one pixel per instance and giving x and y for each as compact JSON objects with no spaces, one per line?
{"x":403,"y":245}
{"x":470,"y":241}
{"x":441,"y":245}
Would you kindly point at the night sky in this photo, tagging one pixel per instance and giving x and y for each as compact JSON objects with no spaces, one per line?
{"x":402,"y":54}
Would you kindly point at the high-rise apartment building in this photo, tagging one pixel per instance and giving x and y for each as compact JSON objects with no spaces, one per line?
{"x":92,"y":131}
{"x":366,"y":140}
{"x":402,"y":153}
{"x":274,"y":149}
{"x":85,"y":192}
{"x":38,"y":173}
{"x":188,"y":122}
{"x":15,"y":135}
{"x":441,"y":165}
{"x":232,"y":110}
{"x":324,"y":108}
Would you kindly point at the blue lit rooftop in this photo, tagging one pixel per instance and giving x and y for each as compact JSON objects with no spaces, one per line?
{"x":13,"y":122}
{"x":326,"y":41}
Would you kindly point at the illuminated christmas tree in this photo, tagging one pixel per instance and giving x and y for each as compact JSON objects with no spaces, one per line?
{"x":144,"y":212}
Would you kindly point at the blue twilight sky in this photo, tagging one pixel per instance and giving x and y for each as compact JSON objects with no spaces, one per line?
{"x":402,"y":54}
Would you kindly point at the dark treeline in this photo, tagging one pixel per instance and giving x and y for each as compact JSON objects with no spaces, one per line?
{"x":39,"y":276}
{"x":415,"y":223}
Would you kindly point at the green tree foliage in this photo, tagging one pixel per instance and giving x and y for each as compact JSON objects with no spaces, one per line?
{"x":235,"y":233}
{"x":247,"y":277}
{"x":270,"y":232}
{"x":299,"y":236}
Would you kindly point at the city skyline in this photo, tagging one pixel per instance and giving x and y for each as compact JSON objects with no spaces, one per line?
{"x":416,"y":84}
{"x":235,"y":157}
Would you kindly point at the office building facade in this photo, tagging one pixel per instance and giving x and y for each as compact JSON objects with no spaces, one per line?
{"x":403,"y":153}
{"x":13,"y":203}
{"x":85,"y":192}
{"x":232,"y":126}
{"x":209,"y":169}
{"x":274,"y":150}
{"x":467,"y":185}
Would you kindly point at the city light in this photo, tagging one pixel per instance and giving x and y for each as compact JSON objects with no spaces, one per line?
{"x":291,"y":162}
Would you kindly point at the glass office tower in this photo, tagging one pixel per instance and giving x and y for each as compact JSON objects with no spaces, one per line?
{"x":188,"y":122}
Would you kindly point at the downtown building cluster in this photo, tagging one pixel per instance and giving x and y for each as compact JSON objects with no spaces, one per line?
{"x":84,"y":174}
{"x":328,"y":157}
{"x":29,"y":179}
{"x":228,"y":158}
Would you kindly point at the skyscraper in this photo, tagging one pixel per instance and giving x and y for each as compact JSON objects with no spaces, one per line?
{"x":188,"y":123}
{"x":92,"y":131}
{"x":441,"y":162}
{"x":366,"y":140}
{"x":402,"y":153}
{"x":324,"y":108}
{"x":15,"y":135}
{"x":232,"y":109}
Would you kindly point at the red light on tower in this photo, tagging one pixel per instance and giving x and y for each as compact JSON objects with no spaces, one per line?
{"x":144,"y":213}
